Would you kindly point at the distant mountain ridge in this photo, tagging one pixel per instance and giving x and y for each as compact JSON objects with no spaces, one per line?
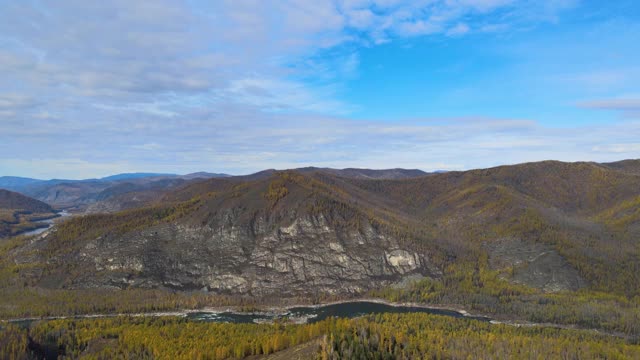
{"x":80,"y":194}
{"x":126,"y":190}
{"x":128,"y":176}
{"x":130,"y":190}
{"x":356,"y":173}
{"x":16,"y":183}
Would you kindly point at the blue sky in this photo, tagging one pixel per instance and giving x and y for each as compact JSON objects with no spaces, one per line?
{"x":96,"y":88}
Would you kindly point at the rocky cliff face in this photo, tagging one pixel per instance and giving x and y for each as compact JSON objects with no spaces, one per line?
{"x":534,"y":264}
{"x":309,"y":255}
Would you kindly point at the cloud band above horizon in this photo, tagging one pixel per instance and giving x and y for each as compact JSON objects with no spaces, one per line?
{"x":95,"y":88}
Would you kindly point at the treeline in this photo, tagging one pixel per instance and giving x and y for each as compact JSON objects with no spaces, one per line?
{"x":15,"y":222}
{"x":381,"y":336}
{"x":476,"y":289}
{"x":473,"y":286}
{"x":38,"y":302}
{"x":421,"y":336}
{"x":71,"y":233}
{"x":171,"y":338}
{"x":13,"y":342}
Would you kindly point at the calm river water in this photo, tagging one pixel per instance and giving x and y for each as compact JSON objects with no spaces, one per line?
{"x":310,"y":314}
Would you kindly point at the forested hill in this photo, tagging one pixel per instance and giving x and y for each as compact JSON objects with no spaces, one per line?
{"x":18,"y":213}
{"x":549,"y":225}
{"x":14,"y":201}
{"x":546,"y":242}
{"x":630,"y":166}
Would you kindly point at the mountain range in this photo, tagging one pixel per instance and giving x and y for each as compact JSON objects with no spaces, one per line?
{"x":548,"y":225}
{"x":81,"y":195}
{"x":127,"y":190}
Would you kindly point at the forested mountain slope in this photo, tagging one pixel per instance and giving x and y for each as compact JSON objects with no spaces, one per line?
{"x":15,"y":201}
{"x":549,"y":225}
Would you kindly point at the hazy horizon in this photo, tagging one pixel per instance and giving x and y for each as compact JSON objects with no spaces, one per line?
{"x":299,"y":167}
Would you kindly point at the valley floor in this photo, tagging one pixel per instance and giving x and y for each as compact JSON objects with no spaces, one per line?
{"x":379,"y":336}
{"x":282,"y":313}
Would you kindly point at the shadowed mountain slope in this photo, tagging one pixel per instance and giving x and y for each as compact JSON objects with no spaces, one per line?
{"x":15,"y":201}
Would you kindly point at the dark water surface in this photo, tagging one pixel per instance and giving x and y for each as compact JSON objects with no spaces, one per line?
{"x":300,"y":314}
{"x":313,"y":314}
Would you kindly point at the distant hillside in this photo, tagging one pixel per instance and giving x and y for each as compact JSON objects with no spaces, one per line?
{"x":129,"y":176}
{"x":204,"y":175}
{"x":388,"y":174}
{"x":128,"y":195}
{"x":93,"y":195}
{"x":19,"y":213}
{"x":155,"y":176}
{"x":79,"y":195}
{"x":629,"y":166}
{"x":10,"y":200}
{"x":14,"y":182}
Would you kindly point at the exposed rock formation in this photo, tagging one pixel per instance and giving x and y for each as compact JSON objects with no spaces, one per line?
{"x":307,"y":256}
{"x":534,"y":264}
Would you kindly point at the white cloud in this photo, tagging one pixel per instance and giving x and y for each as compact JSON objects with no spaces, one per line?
{"x":71,"y":50}
{"x":629,"y":148}
{"x":239,"y":140}
{"x":458,"y":30}
{"x":418,"y":27}
{"x":112,"y":86}
{"x":622,"y":104}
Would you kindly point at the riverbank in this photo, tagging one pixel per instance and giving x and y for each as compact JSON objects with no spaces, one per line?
{"x":299,"y":314}
{"x":269,"y":311}
{"x":23,"y":222}
{"x":43,"y":224}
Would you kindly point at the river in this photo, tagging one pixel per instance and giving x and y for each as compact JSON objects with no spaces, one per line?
{"x":49,"y":223}
{"x":297,"y":314}
{"x":311,"y":314}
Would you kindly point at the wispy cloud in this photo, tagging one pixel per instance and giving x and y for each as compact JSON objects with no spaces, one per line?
{"x":238,"y":140}
{"x":627,"y":107}
{"x":92,"y":88}
{"x":458,"y":30}
{"x":628,"y":148}
{"x":620,"y":104}
{"x":134,"y":52}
